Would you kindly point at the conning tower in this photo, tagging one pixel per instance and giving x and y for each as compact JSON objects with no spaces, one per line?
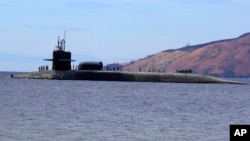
{"x":61,"y":58}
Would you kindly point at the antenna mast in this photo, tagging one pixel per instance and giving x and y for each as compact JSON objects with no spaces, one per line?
{"x":64,"y":39}
{"x":58,"y":44}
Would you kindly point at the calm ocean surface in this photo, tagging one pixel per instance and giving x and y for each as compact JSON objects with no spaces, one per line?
{"x":52,"y":110}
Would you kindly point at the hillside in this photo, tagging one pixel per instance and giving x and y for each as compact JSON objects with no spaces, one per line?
{"x":224,"y":58}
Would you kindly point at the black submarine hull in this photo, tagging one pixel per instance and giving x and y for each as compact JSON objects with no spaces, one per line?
{"x":124,"y":76}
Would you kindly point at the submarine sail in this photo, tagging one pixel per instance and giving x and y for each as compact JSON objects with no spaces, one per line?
{"x":61,"y":58}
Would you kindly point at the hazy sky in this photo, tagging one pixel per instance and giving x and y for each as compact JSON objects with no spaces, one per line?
{"x":112,"y":30}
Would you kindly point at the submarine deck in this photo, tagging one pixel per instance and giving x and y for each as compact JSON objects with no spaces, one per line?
{"x":124,"y":76}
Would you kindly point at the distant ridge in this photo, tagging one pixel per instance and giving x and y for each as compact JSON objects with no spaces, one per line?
{"x":243,"y":35}
{"x":193,"y":47}
{"x":223,"y":58}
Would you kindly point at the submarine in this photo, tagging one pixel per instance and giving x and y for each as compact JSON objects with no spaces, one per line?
{"x":62,"y":70}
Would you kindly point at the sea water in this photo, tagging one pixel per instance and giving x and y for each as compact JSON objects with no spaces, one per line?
{"x":53,"y":110}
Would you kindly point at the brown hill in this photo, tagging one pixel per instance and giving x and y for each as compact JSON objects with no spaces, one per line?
{"x":224,"y":58}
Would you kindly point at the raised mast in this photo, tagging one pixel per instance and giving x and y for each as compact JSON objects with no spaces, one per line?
{"x":58,"y":42}
{"x":64,"y":40}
